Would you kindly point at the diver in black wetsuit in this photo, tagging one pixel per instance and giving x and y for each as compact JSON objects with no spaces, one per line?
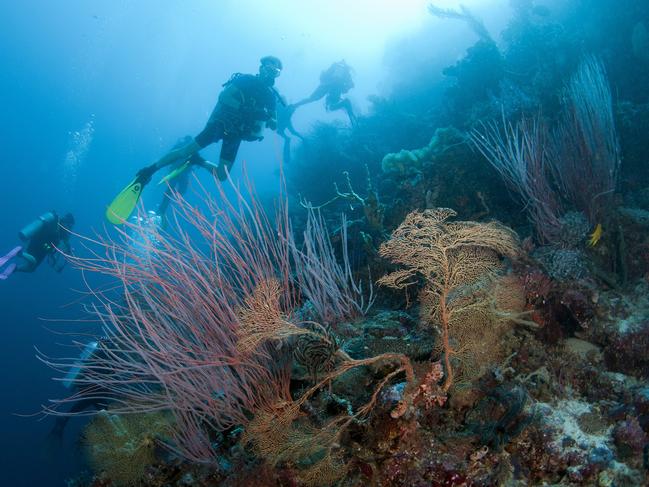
{"x":335,"y":81}
{"x":245,"y":107}
{"x":44,"y":236}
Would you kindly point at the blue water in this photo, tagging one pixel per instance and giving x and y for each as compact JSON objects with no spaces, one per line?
{"x":90,"y":91}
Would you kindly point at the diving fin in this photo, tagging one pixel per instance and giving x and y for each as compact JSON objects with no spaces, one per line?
{"x":10,"y":255}
{"x":76,"y":370}
{"x":124,"y":203}
{"x":175,"y":173}
{"x":8,"y":271}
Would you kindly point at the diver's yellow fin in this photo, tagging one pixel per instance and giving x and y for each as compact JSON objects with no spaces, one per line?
{"x":596,"y":235}
{"x":176,"y":172}
{"x":124,"y":203}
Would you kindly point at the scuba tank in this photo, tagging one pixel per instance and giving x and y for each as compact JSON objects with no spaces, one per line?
{"x":72,"y":375}
{"x":36,"y":226}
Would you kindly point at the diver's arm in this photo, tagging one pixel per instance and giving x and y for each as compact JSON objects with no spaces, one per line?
{"x":66,"y":248}
{"x":57,"y":261}
{"x":318,"y":94}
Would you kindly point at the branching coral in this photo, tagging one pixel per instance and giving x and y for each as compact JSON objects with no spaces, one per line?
{"x":519,"y":154}
{"x":586,"y":151}
{"x":458,"y":262}
{"x":330,"y":286}
{"x":576,"y":165}
{"x":465,"y":15}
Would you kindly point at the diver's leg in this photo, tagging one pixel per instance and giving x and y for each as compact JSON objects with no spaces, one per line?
{"x":28,"y":263}
{"x":145,"y":174}
{"x":229,"y":151}
{"x":76,"y":408}
{"x":333,"y":101}
{"x":11,"y":268}
{"x":182,"y":181}
{"x":178,"y":154}
{"x":178,"y":185}
{"x":59,"y":427}
{"x":345,"y":104}
{"x":287,"y":149}
{"x":212,"y":132}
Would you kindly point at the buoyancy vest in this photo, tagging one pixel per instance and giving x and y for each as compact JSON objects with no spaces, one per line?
{"x":248,"y":99}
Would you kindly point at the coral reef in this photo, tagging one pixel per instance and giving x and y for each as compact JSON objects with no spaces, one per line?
{"x":479,"y":358}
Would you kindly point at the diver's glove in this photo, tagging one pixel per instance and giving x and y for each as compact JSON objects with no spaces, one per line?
{"x":144,"y":175}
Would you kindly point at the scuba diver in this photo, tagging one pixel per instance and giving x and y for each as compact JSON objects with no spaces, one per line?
{"x":245,"y":107}
{"x":42,"y":238}
{"x":335,"y":81}
{"x":284,"y":123}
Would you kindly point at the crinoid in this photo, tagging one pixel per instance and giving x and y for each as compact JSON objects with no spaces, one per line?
{"x":316,"y":351}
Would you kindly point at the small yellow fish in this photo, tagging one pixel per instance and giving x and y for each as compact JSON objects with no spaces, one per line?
{"x":596,"y":235}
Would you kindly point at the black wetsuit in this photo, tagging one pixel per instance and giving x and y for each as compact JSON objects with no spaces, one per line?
{"x":245,"y":101}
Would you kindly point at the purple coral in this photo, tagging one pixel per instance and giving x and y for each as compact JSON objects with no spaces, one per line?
{"x":629,"y":436}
